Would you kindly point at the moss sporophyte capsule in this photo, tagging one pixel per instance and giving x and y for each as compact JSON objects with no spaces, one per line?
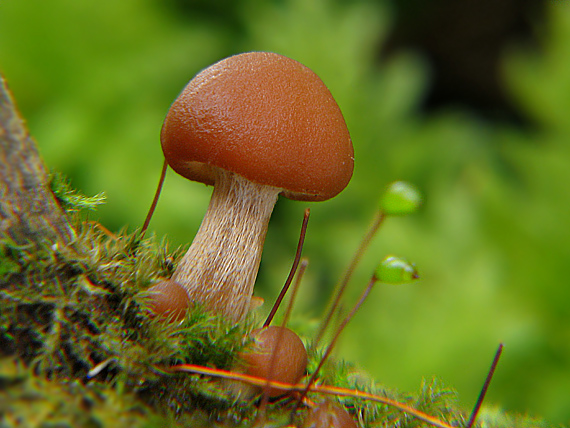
{"x":400,"y":198}
{"x":395,"y":270}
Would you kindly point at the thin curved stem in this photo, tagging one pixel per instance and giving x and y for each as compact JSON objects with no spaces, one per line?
{"x":319,"y":389}
{"x":293,"y":268}
{"x":341,"y":286}
{"x":483,"y":392}
{"x":273,"y":362}
{"x":155,"y":200}
{"x":339,"y":330}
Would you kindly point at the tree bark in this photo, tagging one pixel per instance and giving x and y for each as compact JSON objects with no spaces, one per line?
{"x":28,"y":209}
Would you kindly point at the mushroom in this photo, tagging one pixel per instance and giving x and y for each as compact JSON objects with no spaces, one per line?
{"x":167,"y":299}
{"x":329,"y":414}
{"x":289,"y":363}
{"x":254,"y":126}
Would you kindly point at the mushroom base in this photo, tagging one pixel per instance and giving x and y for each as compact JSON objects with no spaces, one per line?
{"x":220,"y":267}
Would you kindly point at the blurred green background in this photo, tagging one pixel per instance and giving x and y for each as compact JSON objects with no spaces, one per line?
{"x":484,"y":136}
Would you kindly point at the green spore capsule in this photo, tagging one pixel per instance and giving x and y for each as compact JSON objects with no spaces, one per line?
{"x":395,"y":270}
{"x":400,"y":198}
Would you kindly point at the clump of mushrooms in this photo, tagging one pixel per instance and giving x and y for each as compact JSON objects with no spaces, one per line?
{"x":254,"y":126}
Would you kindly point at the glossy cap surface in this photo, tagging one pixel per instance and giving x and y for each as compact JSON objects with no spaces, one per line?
{"x":290,"y":360}
{"x":168,"y":299}
{"x":265,"y":117}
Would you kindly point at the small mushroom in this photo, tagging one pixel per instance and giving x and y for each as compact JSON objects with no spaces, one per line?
{"x":290,"y":360}
{"x":328,"y":414}
{"x":168,"y":299}
{"x":254,"y":126}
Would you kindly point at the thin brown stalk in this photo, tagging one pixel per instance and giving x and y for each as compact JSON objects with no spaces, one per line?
{"x":339,"y":330}
{"x":341,"y":286}
{"x":273,"y":362}
{"x":155,"y":200}
{"x":293,"y":268}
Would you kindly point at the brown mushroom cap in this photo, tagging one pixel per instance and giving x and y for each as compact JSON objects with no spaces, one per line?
{"x":290,"y":361}
{"x":168,"y":299}
{"x":265,"y":117}
{"x":328,"y":414}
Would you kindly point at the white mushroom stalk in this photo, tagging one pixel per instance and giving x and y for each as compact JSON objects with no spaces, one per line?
{"x":221,"y":265}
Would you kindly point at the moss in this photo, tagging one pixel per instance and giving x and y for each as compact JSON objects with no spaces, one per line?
{"x":79,"y":348}
{"x":68,"y":311}
{"x":31,"y":400}
{"x":69,"y":198}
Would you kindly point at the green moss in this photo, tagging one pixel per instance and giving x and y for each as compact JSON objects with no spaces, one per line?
{"x":79,"y":348}
{"x":34,"y":401}
{"x":69,"y":198}
{"x":68,"y":311}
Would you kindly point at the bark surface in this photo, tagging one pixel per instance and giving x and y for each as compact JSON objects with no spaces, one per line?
{"x":28,"y":209}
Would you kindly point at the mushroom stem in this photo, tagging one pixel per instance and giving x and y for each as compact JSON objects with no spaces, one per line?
{"x":221,"y":265}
